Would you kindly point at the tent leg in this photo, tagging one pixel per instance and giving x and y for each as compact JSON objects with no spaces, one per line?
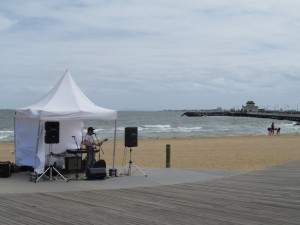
{"x":15,"y":142}
{"x":113,"y":171}
{"x":37,"y":142}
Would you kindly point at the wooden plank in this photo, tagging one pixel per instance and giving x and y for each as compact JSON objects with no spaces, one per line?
{"x":270,"y":196}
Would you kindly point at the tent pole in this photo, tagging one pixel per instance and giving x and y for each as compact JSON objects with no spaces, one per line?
{"x":115,"y":134}
{"x":113,"y":171}
{"x":15,"y":142}
{"x":37,"y":143}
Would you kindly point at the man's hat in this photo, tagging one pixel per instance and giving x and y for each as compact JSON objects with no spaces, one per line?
{"x":91,"y":128}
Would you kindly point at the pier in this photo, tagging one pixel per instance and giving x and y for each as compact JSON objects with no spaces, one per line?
{"x":295,"y":116}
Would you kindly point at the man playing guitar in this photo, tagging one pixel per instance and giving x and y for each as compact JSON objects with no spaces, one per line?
{"x":90,"y":145}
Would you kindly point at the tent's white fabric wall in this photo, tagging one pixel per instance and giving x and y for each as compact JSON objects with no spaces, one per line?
{"x":65,"y":103}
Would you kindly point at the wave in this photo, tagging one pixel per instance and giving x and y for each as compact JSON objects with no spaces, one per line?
{"x":155,"y":126}
{"x":6,"y":135}
{"x":6,"y":131}
{"x":168,"y":128}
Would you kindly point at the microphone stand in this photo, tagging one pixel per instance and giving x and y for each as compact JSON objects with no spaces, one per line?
{"x":77,"y":158}
{"x":75,"y":141}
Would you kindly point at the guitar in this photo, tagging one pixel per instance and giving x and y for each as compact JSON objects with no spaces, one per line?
{"x":101,"y":142}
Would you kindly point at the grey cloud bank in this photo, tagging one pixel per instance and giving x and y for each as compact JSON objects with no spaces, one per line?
{"x":152,"y":55}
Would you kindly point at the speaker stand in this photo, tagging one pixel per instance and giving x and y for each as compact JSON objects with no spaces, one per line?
{"x":51,"y":168}
{"x":51,"y":177}
{"x":130,"y":164}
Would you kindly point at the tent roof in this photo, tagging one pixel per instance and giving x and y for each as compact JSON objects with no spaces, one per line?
{"x":65,"y":102}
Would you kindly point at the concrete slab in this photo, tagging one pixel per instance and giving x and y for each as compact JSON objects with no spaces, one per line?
{"x":20,"y":182}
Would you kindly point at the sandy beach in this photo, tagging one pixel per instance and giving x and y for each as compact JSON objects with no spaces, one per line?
{"x":230,"y":153}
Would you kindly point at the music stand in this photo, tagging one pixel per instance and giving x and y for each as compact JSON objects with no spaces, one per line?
{"x":51,"y":168}
{"x":130,"y":163}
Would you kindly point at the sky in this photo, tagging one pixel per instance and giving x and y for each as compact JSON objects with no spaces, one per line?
{"x":153,"y":55}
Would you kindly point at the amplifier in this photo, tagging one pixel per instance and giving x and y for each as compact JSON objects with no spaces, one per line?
{"x":73,"y":164}
{"x":5,"y":169}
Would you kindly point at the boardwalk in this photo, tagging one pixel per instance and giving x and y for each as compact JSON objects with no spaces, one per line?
{"x":270,"y":196}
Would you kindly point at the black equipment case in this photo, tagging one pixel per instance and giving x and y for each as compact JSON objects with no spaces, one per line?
{"x":5,"y":169}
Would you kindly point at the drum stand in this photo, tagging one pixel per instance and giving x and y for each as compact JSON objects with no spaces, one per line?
{"x":130,"y":164}
{"x":51,"y":168}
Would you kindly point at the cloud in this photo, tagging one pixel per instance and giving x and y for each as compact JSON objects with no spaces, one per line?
{"x":6,"y":23}
{"x":126,"y":50}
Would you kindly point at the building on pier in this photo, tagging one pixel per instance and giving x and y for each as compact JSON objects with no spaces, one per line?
{"x":250,"y":107}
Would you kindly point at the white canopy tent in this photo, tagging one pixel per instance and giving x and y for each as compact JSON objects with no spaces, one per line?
{"x":65,"y":104}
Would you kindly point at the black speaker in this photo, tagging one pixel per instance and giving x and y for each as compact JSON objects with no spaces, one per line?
{"x":131,"y":137}
{"x":52,"y":132}
{"x":96,"y":173}
{"x":71,"y":163}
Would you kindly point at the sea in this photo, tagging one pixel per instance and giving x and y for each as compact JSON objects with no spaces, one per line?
{"x":167,"y":124}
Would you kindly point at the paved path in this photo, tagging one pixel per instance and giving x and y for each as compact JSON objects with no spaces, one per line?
{"x":19,"y":182}
{"x":270,"y":196}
